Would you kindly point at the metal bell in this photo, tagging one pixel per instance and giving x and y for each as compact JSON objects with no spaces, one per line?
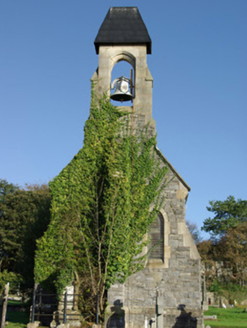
{"x":121,"y":92}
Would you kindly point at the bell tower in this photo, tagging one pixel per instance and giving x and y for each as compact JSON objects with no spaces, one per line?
{"x":124,"y":36}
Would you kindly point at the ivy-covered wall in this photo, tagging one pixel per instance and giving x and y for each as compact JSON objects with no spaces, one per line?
{"x":101,"y":206}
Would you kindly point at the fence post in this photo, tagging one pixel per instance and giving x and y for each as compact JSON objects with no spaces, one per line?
{"x":33,"y":306}
{"x":97,"y":309}
{"x":65,"y":308}
{"x":5,"y":302}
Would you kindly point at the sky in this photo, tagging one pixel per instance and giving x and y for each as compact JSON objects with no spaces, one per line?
{"x":199,"y":67}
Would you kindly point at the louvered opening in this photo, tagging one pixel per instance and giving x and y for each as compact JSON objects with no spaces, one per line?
{"x":156,"y":233}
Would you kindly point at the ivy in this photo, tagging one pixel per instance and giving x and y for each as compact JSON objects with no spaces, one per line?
{"x":101,"y":205}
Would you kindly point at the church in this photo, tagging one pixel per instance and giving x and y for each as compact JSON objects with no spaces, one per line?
{"x":168,"y":291}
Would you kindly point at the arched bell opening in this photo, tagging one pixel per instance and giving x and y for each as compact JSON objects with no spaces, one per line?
{"x":122,"y":83}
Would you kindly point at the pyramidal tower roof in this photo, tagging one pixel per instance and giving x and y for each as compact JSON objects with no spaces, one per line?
{"x":123,"y":26}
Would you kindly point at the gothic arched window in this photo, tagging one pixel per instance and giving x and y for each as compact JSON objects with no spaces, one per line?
{"x":156,"y":235}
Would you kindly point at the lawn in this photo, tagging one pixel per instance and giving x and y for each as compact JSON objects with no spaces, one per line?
{"x":227,"y":318}
{"x":13,"y":302}
{"x":17,"y":319}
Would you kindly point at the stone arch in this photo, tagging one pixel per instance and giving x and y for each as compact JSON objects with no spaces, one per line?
{"x":123,"y":55}
{"x":162,"y":263}
{"x":126,"y":57}
{"x":156,"y":235}
{"x":167,"y":252}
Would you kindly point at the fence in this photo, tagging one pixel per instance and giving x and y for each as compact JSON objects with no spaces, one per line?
{"x":54,"y":307}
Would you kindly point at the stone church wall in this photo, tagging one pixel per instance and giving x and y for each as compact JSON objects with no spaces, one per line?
{"x":175,"y":282}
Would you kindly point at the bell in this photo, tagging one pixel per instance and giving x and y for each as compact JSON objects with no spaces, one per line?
{"x":121,"y":92}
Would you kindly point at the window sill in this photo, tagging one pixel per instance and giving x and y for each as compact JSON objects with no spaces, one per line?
{"x":155,"y":263}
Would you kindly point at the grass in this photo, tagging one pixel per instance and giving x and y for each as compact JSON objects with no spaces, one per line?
{"x":17,"y":319}
{"x":12,"y":302}
{"x":227,"y":318}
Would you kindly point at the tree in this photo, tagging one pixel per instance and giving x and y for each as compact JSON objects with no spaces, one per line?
{"x":205,"y":249}
{"x":225,"y":253}
{"x":232,"y":249}
{"x":5,"y":189}
{"x":227,"y":214}
{"x":195,"y":233}
{"x":101,"y":205}
{"x":24,"y":216}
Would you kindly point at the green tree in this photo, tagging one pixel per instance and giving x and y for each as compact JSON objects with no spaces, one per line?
{"x":225,"y":253}
{"x":102,"y":205}
{"x":227,"y":214}
{"x":24,"y":216}
{"x":14,"y":280}
{"x":5,"y":189}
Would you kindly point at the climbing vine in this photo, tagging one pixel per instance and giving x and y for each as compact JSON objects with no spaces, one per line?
{"x":101,"y":205}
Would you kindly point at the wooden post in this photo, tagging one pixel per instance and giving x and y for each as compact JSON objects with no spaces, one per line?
{"x":5,"y":302}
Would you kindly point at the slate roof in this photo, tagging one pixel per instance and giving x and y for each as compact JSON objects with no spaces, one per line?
{"x":123,"y":25}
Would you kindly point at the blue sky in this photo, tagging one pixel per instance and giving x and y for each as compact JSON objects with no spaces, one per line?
{"x":198,"y":63}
